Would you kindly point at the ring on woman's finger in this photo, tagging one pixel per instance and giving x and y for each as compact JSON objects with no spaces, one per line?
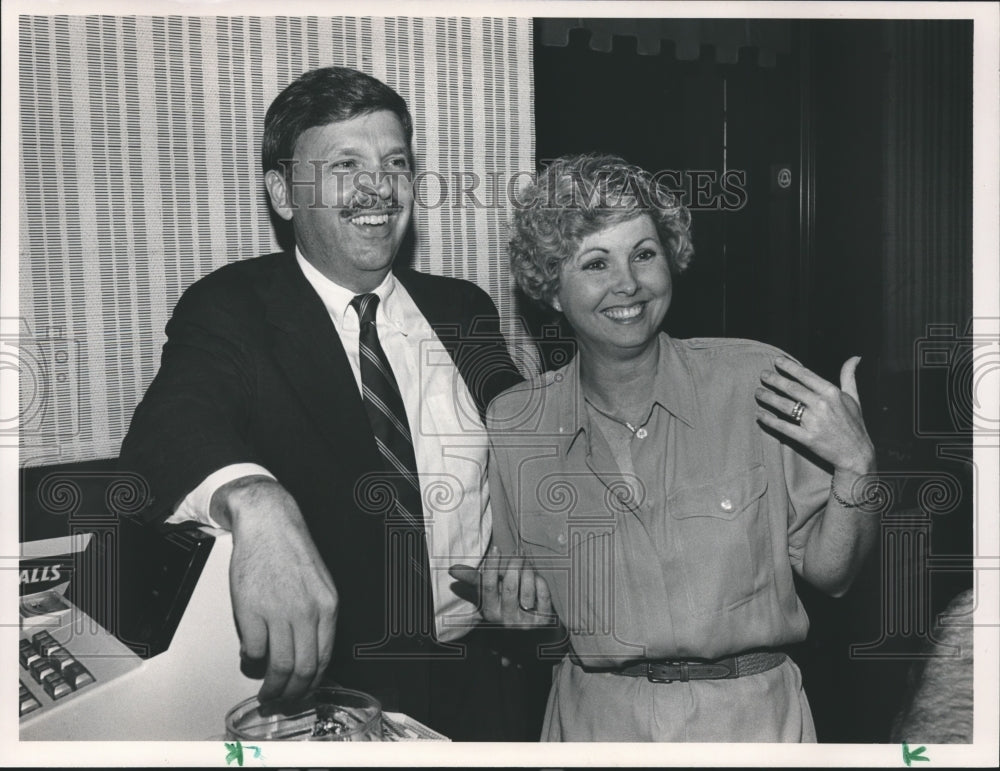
{"x":796,"y":413}
{"x":521,"y":606}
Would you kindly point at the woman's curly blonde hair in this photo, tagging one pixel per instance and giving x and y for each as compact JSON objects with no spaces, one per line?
{"x":578,"y":195}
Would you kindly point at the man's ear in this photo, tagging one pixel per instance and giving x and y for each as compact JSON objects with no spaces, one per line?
{"x":554,"y":302}
{"x":279,"y":193}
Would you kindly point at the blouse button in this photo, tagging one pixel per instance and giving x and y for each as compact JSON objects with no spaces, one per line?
{"x":561,"y":538}
{"x":642,"y":433}
{"x":727,"y":505}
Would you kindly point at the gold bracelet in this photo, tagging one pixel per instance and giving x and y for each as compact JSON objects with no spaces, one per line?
{"x":840,"y":500}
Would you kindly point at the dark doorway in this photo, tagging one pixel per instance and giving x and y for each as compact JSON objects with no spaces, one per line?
{"x":722,"y":132}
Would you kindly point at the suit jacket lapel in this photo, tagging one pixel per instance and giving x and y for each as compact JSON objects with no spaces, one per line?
{"x":308,"y":349}
{"x":452,"y":317}
{"x":439,"y":311}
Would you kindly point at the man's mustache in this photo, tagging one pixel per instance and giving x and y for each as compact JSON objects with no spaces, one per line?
{"x":370,"y":203}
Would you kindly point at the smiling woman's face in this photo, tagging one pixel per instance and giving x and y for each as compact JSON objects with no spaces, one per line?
{"x":616,"y":289}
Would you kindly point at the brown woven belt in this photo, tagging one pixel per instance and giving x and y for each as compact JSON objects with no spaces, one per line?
{"x":669,"y":670}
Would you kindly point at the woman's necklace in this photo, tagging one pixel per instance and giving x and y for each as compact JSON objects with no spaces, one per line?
{"x":636,"y":429}
{"x":620,"y":421}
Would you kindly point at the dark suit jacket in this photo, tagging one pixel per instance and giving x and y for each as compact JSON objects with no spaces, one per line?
{"x":253,"y":371}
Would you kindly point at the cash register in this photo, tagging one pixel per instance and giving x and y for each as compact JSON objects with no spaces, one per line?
{"x":126,"y":631}
{"x":62,"y":651}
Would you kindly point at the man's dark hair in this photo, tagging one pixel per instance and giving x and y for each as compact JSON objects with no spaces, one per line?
{"x":323,"y":96}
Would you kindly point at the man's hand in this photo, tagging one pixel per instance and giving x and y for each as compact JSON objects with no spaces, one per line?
{"x":284,"y":599}
{"x":510,"y":591}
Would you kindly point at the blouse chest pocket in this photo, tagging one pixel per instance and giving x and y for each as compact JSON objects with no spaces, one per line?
{"x":725,"y":499}
{"x":722,"y":540}
{"x":548,"y":534}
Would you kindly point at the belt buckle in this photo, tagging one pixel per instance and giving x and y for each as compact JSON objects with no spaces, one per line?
{"x":667,"y":663}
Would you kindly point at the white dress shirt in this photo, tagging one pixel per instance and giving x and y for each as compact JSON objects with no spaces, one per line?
{"x":449,"y":440}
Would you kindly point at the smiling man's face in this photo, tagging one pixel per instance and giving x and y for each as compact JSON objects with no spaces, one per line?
{"x":360,"y":168}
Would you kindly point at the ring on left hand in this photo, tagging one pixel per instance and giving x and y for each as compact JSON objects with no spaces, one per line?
{"x":797,"y":411}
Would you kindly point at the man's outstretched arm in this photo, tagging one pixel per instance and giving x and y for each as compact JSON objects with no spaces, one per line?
{"x":284,"y":600}
{"x":193,"y":421}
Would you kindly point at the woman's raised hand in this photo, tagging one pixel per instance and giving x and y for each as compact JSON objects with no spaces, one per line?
{"x":814,"y":412}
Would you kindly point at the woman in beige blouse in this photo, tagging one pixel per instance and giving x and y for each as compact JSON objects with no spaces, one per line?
{"x":666,"y":490}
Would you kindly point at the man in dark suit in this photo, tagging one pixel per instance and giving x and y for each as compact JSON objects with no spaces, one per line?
{"x":264,"y":420}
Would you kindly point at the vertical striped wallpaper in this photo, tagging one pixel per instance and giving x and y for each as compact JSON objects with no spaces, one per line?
{"x":139,"y":174}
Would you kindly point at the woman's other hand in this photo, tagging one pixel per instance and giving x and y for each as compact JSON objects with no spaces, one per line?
{"x":510,"y":591}
{"x":830,"y":422}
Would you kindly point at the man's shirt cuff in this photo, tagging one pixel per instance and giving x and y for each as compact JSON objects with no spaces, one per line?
{"x":196,"y":507}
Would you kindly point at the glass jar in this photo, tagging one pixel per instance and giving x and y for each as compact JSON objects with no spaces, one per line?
{"x":325,"y":715}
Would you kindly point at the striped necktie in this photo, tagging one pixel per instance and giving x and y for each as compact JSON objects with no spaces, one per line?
{"x":409,"y":601}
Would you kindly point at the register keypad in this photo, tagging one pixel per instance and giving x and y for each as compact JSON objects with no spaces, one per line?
{"x":28,"y":702}
{"x":51,"y":666}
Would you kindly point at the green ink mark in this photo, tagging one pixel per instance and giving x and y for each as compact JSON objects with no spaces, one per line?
{"x":910,"y":755}
{"x":235,"y":752}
